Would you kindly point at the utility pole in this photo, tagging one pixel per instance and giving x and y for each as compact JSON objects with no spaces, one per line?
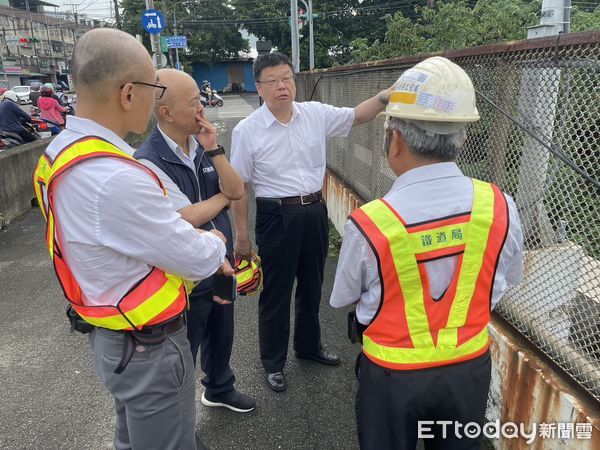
{"x":177,"y":66}
{"x":155,"y":39}
{"x":12,"y":19}
{"x":538,"y":101}
{"x":294,"y":35}
{"x":117,"y":15}
{"x":311,"y":43}
{"x":35,"y":49}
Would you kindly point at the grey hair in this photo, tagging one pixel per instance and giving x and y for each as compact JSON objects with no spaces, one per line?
{"x":443,"y":147}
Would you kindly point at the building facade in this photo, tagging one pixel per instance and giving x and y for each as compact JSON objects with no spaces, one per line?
{"x":34,"y":45}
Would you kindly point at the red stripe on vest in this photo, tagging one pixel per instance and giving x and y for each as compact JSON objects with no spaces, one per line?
{"x":435,"y":254}
{"x":479,"y":309}
{"x":392,"y":301}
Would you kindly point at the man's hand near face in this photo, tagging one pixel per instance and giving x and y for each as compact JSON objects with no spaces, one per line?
{"x":207,"y":136}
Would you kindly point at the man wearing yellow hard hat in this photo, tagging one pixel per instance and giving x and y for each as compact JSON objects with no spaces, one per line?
{"x":425,"y":265}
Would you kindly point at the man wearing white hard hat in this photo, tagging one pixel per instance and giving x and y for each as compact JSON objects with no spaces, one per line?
{"x":425,"y":265}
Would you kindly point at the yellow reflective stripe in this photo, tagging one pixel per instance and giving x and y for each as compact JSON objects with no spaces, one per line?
{"x":407,"y":270}
{"x":50,"y":233}
{"x":146,"y":311}
{"x":438,"y":238}
{"x":425,"y":355}
{"x":40,"y":172}
{"x":116,"y":322}
{"x":482,"y":216}
{"x":190,"y":285}
{"x":83,"y":149}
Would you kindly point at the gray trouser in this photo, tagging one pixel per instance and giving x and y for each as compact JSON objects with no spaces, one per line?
{"x":154,"y":396}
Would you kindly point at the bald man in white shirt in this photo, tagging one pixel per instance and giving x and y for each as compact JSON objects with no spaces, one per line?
{"x":280,"y":149}
{"x":116,"y":230}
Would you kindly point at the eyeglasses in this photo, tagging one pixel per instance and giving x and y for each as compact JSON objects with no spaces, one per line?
{"x":272,"y":82}
{"x":160,"y":89}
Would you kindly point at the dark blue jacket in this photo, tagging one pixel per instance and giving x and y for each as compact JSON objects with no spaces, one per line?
{"x":197,"y":186}
{"x":11,"y":115}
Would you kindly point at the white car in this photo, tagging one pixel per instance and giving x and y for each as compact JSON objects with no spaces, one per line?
{"x":23,"y":94}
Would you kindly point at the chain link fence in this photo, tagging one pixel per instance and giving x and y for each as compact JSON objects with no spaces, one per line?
{"x":539,"y":140}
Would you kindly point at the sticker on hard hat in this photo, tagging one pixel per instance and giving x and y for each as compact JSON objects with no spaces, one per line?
{"x":407,"y":86}
{"x":408,"y":98}
{"x":436,"y":102}
{"x":414,"y":75}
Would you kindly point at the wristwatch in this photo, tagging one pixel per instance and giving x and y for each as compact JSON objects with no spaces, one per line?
{"x":217,"y":151}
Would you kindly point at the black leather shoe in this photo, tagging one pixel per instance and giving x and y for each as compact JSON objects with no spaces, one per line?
{"x":276,"y":381}
{"x":322,"y":356}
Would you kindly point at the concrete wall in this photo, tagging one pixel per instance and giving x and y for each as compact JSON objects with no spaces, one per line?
{"x":526,"y":388}
{"x":16,"y":172}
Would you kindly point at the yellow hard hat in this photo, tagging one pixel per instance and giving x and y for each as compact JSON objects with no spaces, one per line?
{"x":249,"y":275}
{"x":436,"y":95}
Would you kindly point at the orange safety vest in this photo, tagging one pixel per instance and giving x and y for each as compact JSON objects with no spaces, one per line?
{"x":154,"y":299}
{"x":410,"y":330}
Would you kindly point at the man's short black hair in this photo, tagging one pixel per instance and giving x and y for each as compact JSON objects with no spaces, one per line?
{"x":270,"y":60}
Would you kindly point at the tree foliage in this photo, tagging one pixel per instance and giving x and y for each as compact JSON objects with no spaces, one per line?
{"x":455,"y":24}
{"x":449,"y":25}
{"x":582,"y":20}
{"x":209,"y":39}
{"x":339,"y":22}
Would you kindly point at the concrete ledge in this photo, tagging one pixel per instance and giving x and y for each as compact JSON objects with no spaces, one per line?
{"x":525,"y":389}
{"x":16,"y":172}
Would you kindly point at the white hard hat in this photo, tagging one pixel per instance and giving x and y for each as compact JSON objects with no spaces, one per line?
{"x":436,"y":95}
{"x":11,"y":95}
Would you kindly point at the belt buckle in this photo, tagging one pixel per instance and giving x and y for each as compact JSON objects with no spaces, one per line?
{"x":302,"y":202}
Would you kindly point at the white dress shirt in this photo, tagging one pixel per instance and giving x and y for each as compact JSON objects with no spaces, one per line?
{"x":115,"y":224}
{"x":178,"y":198}
{"x":425,"y":193}
{"x":287,"y":160}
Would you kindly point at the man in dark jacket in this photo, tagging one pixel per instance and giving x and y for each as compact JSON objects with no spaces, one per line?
{"x":11,"y":116}
{"x":183,"y":152}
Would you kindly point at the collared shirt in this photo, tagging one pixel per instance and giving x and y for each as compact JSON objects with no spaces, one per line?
{"x":425,"y":193}
{"x":178,"y":198}
{"x":115,"y":224}
{"x":287,"y":160}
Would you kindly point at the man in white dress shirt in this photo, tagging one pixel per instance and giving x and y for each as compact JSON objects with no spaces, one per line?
{"x":121,"y":251}
{"x":280,"y":149}
{"x":424,"y":266}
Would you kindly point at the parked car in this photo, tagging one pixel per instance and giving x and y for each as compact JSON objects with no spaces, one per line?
{"x":23,"y":94}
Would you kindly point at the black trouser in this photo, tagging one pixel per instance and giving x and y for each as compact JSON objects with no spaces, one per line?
{"x":210,"y":329}
{"x":389,"y":404}
{"x":292,"y":244}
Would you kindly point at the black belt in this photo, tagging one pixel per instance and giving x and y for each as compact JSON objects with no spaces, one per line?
{"x":149,"y":335}
{"x":161,"y":329}
{"x":292,"y":201}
